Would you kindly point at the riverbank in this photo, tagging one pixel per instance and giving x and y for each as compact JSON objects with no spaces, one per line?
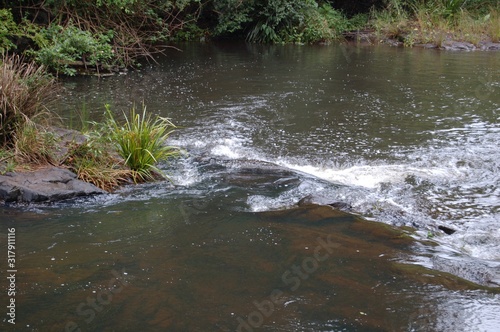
{"x":449,"y":26}
{"x":447,"y":44}
{"x":107,"y":37}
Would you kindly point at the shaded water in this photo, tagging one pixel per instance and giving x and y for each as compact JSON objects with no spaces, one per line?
{"x":407,"y":137}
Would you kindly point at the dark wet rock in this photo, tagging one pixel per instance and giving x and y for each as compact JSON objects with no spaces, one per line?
{"x":428,"y":46}
{"x":311,"y":213}
{"x":248,"y":173}
{"x":258,"y":167}
{"x":69,"y":135}
{"x":490,"y":47}
{"x":393,"y":42}
{"x":249,"y":166}
{"x":44,"y":185}
{"x":447,"y":230}
{"x":482,"y":272}
{"x":458,"y":46}
{"x":66,"y":138}
{"x":321,"y":200}
{"x":360,"y":36}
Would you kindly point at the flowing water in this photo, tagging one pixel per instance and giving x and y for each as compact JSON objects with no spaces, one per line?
{"x":407,"y":137}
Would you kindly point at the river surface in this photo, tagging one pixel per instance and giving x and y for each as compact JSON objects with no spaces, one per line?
{"x":408,"y":137}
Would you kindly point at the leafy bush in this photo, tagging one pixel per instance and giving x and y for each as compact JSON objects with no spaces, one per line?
{"x":26,"y":90}
{"x":139,"y":28}
{"x":141,"y":142}
{"x":7,"y":28}
{"x":324,"y":24}
{"x":232,"y":16}
{"x":280,"y":21}
{"x":68,"y":45}
{"x":452,"y":7}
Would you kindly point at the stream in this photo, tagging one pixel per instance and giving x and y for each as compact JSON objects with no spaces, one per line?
{"x":407,"y":138}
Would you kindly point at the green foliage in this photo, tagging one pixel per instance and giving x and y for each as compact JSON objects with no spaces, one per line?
{"x":451,"y":7}
{"x":7,"y":29}
{"x":190,"y":32}
{"x":10,"y":31}
{"x":280,"y":21}
{"x":122,"y":4}
{"x":68,"y":45}
{"x":232,"y":15}
{"x":324,"y":24}
{"x":276,"y":19}
{"x":141,"y":142}
{"x":114,"y":154}
{"x":102,"y":32}
{"x":7,"y":161}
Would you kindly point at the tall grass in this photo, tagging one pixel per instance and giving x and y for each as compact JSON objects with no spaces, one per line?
{"x":94,"y":162}
{"x":141,"y":142}
{"x":33,"y":145}
{"x":26,"y":90}
{"x":436,"y":22}
{"x":494,"y":24}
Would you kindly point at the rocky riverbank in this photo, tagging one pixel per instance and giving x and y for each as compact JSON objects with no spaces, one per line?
{"x":406,"y":39}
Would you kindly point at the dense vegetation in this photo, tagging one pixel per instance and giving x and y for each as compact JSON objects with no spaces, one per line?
{"x":104,"y":35}
{"x":110,"y":153}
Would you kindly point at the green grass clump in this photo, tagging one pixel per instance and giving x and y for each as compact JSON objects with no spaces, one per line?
{"x":114,"y":154}
{"x":7,"y":161}
{"x":140,"y":141}
{"x":94,"y":162}
{"x":34,"y":145}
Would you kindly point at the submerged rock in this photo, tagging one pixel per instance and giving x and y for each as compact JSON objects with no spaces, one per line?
{"x":486,"y":273}
{"x":44,"y":185}
{"x":447,"y":229}
{"x":321,"y":200}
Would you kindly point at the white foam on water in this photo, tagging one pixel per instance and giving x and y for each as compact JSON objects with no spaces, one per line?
{"x":388,"y":193}
{"x":372,"y":176}
{"x":482,"y":239}
{"x":231,"y":148}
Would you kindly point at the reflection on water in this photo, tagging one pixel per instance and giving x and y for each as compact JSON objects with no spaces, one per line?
{"x":407,"y":137}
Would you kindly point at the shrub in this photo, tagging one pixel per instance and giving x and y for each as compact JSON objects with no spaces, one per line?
{"x":280,"y":21}
{"x":7,"y":28}
{"x":26,"y":90}
{"x":325,"y":24}
{"x":141,"y":142}
{"x":140,"y":27}
{"x":70,"y":44}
